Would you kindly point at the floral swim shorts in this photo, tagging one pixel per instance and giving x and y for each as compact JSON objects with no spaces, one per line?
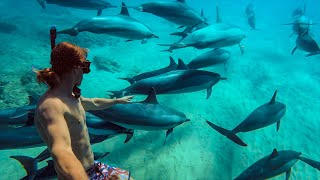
{"x":101,"y":171}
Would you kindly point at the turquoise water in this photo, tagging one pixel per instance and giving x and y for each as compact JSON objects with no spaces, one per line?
{"x":195,"y":151}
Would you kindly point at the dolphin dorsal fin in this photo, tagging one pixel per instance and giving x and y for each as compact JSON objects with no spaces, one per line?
{"x":124,"y":10}
{"x":182,"y":1}
{"x":152,"y":97}
{"x":274,"y":154}
{"x":273,"y":99}
{"x":181,"y":65}
{"x":172,"y":62}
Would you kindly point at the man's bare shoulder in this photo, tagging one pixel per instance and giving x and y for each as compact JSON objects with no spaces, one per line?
{"x":50,"y":106}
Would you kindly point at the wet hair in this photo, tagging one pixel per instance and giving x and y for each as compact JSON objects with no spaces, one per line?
{"x":64,"y":58}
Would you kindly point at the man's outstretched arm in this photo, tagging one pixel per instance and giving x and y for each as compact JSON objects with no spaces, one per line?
{"x":102,"y":103}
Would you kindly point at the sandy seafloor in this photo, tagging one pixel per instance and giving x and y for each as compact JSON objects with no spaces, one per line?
{"x":196,"y":151}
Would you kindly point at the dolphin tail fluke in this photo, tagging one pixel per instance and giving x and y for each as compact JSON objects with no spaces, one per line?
{"x":229,"y":134}
{"x":29,"y":164}
{"x":130,"y":80}
{"x":42,"y":3}
{"x":310,"y":162}
{"x":129,"y":135}
{"x":71,"y":32}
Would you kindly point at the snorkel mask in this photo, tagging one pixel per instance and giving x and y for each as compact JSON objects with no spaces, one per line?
{"x":85,"y":65}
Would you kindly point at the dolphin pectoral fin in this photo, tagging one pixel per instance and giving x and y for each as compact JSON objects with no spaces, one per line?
{"x":180,"y":27}
{"x":291,"y":34}
{"x":129,"y":40}
{"x":312,"y":54}
{"x":168,"y":135}
{"x":278,"y":125}
{"x":129,"y":135}
{"x":29,"y":164}
{"x":288,"y":173}
{"x":144,"y":41}
{"x":42,"y":3}
{"x":241,"y":48}
{"x":209,"y":92}
{"x":229,"y":134}
{"x":98,"y":156}
{"x":99,"y":12}
{"x":294,"y":49}
{"x":310,"y":162}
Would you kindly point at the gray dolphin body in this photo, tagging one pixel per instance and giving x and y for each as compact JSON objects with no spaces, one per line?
{"x":99,"y":5}
{"x":146,"y":115}
{"x":262,"y":116}
{"x":28,"y":137}
{"x":170,"y":67}
{"x":213,"y":36}
{"x":18,"y":116}
{"x":120,"y":26}
{"x":210,"y":58}
{"x":307,"y":43}
{"x":251,"y":15}
{"x":181,"y":80}
{"x":275,"y":164}
{"x":174,"y":11}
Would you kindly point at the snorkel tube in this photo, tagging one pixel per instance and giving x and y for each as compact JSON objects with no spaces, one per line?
{"x":53,"y":35}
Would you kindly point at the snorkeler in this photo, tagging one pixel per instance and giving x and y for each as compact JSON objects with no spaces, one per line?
{"x":60,"y":115}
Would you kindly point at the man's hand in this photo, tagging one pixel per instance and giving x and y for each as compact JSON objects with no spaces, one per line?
{"x":124,"y":100}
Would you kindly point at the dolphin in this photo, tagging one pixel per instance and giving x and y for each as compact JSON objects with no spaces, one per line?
{"x":121,"y":25}
{"x":28,"y":137}
{"x":262,"y":116}
{"x":174,"y":11}
{"x":300,"y":25}
{"x":210,"y":58}
{"x":181,"y":80}
{"x":170,"y":67}
{"x":147,"y":115}
{"x":276,"y":163}
{"x":306,"y":43}
{"x":19,"y":116}
{"x":251,"y":15}
{"x":99,"y":5}
{"x":213,"y":36}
